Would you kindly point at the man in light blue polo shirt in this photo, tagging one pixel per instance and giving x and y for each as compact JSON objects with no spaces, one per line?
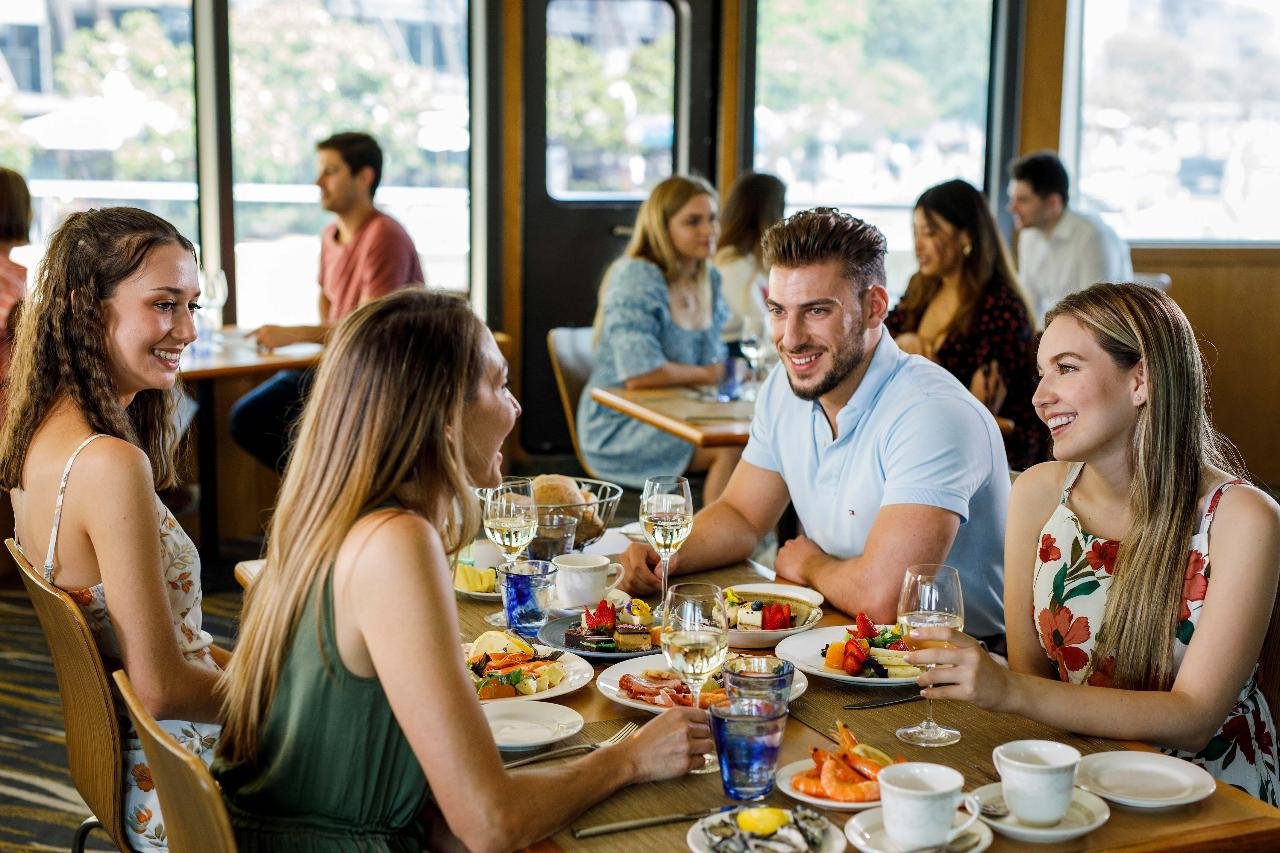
{"x":889,"y":461}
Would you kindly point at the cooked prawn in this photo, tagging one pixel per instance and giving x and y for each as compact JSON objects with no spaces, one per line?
{"x":809,"y":783}
{"x":842,"y":784}
{"x":868,"y":768}
{"x":847,"y":740}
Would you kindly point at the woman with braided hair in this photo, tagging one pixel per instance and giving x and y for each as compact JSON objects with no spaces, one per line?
{"x":87,"y":440}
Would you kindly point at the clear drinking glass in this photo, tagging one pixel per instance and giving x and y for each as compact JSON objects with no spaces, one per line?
{"x":695,"y":638}
{"x":510,"y":518}
{"x":930,"y":598}
{"x":213,"y":296}
{"x":666,"y":514}
{"x":750,"y":341}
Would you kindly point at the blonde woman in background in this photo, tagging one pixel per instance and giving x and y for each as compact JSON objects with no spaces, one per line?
{"x":1108,"y":552}
{"x":658,"y":323}
{"x":349,"y":723}
{"x":756,"y":201}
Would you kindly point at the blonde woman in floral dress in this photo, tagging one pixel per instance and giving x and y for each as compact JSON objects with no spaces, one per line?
{"x":1140,"y":568}
{"x":87,"y":440}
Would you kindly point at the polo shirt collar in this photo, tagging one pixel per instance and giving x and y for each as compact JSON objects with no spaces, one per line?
{"x":884,"y":363}
{"x":1066,"y":227}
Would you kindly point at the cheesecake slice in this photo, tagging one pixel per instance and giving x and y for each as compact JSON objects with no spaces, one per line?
{"x":632,"y":638}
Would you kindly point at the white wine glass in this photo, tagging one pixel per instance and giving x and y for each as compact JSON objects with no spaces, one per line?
{"x":749,"y":344}
{"x":666,"y":514}
{"x":510,"y":517}
{"x":931,"y":597}
{"x":695,"y":639}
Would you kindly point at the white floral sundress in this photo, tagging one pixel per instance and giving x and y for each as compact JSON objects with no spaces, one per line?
{"x":143,"y":822}
{"x":1072,"y":578}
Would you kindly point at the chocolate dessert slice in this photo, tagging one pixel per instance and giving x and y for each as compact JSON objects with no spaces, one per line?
{"x":632,"y":638}
{"x":599,"y":643}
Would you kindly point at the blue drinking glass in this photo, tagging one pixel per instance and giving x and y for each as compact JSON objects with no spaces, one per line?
{"x":527,"y":590}
{"x":729,"y":385}
{"x":748,"y":735}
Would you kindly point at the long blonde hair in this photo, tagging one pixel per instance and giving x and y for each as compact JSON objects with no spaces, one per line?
{"x":60,"y":348}
{"x":651,"y":238}
{"x":1172,"y":450}
{"x":388,"y":396}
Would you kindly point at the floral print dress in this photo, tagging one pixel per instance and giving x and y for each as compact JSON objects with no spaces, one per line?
{"x":1069,"y":594}
{"x":143,"y":821}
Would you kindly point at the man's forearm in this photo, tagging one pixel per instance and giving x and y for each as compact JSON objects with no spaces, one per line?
{"x":721,"y":537}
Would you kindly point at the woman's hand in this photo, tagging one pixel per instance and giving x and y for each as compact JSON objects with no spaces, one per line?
{"x":968,"y":674}
{"x":670,"y":745}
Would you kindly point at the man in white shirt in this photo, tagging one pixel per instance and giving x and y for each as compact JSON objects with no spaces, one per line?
{"x":1060,"y":251}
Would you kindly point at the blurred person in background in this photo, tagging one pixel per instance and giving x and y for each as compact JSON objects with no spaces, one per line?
{"x":658,"y":323}
{"x":364,"y":254}
{"x":15,"y":230}
{"x":965,"y":310}
{"x":1060,"y":251}
{"x":756,"y":201}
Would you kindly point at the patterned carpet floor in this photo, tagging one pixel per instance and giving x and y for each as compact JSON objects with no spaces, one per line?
{"x":39,"y":806}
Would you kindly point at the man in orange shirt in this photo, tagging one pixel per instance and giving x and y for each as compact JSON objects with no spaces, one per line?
{"x":364,"y":254}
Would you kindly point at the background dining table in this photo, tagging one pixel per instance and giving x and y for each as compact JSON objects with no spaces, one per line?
{"x":1227,"y":819}
{"x":686,"y":412}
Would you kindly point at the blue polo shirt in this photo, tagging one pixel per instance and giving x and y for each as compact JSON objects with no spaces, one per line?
{"x":911,"y":434}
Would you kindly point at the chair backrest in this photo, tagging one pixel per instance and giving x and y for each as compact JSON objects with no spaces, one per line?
{"x":1269,"y":660}
{"x":195,"y":817}
{"x":571,"y":362}
{"x":1158,"y":280}
{"x":88,"y":712}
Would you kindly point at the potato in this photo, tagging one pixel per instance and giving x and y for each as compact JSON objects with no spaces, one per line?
{"x":902,"y":671}
{"x":554,"y":673}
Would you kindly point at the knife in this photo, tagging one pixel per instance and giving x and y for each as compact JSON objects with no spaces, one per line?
{"x":880,"y":703}
{"x":641,"y":822}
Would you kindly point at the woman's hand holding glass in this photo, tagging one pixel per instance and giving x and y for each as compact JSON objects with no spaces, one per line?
{"x":672,"y":744}
{"x":931,"y":597}
{"x":967,"y":672}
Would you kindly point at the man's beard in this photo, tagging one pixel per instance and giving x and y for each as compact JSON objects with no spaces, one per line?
{"x":843,"y":362}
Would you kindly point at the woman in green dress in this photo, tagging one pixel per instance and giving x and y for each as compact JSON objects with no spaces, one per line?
{"x":348,"y":714}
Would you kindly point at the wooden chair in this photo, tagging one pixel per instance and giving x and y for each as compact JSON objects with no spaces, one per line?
{"x":195,"y":817}
{"x":88,"y":713}
{"x":571,"y":361}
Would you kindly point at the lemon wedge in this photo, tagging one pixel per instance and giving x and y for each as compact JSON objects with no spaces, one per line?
{"x":471,"y":579}
{"x":870,"y":752}
{"x":764,"y":821}
{"x":498,"y":643}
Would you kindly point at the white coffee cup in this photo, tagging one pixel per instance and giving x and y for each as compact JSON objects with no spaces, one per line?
{"x":1038,"y":777}
{"x":920,"y":801}
{"x":583,"y":579}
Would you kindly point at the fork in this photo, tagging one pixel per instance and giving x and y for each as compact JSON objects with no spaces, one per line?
{"x":618,"y":737}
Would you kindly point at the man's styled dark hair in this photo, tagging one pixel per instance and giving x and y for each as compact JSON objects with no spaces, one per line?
{"x":357,"y":150}
{"x":825,"y":234}
{"x":1044,"y":172}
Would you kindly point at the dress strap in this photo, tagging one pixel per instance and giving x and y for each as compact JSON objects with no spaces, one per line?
{"x":1069,"y":481}
{"x":57,"y":507}
{"x":1212,"y":506}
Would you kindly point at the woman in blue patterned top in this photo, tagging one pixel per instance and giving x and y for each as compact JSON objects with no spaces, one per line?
{"x":658,"y":323}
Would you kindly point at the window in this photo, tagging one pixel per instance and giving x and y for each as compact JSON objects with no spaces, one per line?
{"x":863,"y":106}
{"x":611,"y":74}
{"x":103,"y":110}
{"x":1175,"y":135}
{"x":302,"y":70}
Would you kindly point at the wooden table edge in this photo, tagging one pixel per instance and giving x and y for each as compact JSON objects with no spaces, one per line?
{"x":609,"y":398}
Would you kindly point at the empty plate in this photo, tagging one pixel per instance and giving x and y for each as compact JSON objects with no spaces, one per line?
{"x":1145,"y":780}
{"x":529,"y":725}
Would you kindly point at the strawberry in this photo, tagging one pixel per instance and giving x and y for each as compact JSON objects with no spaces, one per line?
{"x":603,"y":618}
{"x":866,"y":628}
{"x":899,"y":646}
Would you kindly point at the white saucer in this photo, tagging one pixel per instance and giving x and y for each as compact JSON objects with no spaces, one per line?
{"x":782,"y":782}
{"x":865,"y":831}
{"x":529,"y":725}
{"x":1145,"y":780}
{"x":1085,"y":814}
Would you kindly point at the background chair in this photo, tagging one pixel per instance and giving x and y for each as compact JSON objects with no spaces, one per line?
{"x":1158,"y":280}
{"x":571,"y":361}
{"x":195,"y":817}
{"x":88,"y":712}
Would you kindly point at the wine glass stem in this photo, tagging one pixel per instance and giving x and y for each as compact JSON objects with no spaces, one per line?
{"x":928,"y":712}
{"x":662,"y":567}
{"x":695,"y":693}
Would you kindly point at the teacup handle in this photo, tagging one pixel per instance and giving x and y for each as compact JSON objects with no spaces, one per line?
{"x":973,"y":805}
{"x":614,"y":569}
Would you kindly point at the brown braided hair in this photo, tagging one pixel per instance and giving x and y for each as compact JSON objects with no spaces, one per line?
{"x":61,"y":342}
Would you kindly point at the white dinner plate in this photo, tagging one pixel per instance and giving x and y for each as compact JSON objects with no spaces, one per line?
{"x":1085,"y":814}
{"x":804,"y":593}
{"x":479,"y":596}
{"x":782,"y":782}
{"x":529,"y":725}
{"x":865,"y":831}
{"x":1145,"y":780}
{"x":805,"y":651}
{"x":609,"y":679}
{"x":633,"y":531}
{"x":697,"y":841}
{"x":577,"y":673}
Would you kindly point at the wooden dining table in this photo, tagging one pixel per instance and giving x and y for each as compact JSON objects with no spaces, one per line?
{"x":1227,"y":819}
{"x":686,"y":412}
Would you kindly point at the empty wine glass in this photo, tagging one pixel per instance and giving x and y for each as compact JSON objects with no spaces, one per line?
{"x":931,"y":597}
{"x":695,"y":639}
{"x":666,"y":514}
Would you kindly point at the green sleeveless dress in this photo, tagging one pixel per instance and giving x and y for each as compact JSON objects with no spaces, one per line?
{"x":335,"y":772}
